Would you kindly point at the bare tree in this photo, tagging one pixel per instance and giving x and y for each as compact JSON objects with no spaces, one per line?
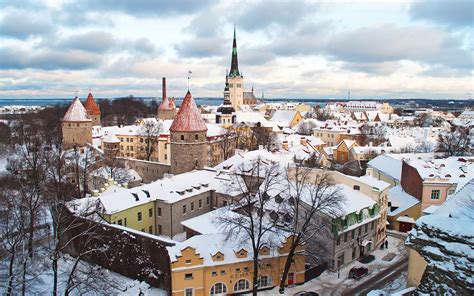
{"x":306,"y":127}
{"x":455,"y":142}
{"x":311,"y":196}
{"x":150,"y":133}
{"x":252,"y":225}
{"x":372,"y":134}
{"x":81,"y":162}
{"x":227,"y":143}
{"x":266,"y":138}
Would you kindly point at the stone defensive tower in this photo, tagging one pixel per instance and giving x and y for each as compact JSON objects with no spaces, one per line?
{"x":188,"y":138}
{"x":76,"y":126}
{"x":93,"y":110}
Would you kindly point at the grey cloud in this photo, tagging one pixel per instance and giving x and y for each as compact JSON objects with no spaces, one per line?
{"x":141,"y":8}
{"x":94,"y":41}
{"x":281,"y":13}
{"x":201,"y":47}
{"x":144,"y":45}
{"x":307,"y":39}
{"x":20,"y":25}
{"x":392,"y":43}
{"x":253,"y":56}
{"x":15,"y":58}
{"x":383,"y":68}
{"x":452,"y":13}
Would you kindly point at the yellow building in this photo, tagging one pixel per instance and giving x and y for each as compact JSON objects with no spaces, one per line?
{"x":210,"y":264}
{"x":286,"y":118}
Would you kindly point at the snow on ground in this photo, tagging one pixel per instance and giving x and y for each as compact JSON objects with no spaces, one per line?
{"x":101,"y":282}
{"x":329,"y":284}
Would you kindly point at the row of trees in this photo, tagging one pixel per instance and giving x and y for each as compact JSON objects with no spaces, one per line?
{"x":275,"y":202}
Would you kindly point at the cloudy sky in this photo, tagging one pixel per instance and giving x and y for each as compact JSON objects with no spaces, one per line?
{"x":297,"y":49}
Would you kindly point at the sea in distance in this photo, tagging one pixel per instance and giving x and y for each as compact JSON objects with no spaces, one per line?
{"x":199,"y":101}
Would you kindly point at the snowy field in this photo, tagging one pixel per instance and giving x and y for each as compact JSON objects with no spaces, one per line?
{"x":329,"y":284}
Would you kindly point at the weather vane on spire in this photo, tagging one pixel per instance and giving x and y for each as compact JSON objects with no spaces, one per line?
{"x":189,"y":77}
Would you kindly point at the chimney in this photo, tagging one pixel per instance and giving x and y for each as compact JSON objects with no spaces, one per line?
{"x":285,"y":145}
{"x":163,"y":88}
{"x":303,"y":141}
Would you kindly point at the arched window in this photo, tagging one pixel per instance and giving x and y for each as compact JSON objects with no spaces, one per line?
{"x":241,"y":285}
{"x":218,"y":288}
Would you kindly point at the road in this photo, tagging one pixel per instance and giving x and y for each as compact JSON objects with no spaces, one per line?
{"x":380,"y":279}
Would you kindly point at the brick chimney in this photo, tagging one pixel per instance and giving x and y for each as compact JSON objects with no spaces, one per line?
{"x":303,"y":141}
{"x":285,"y":145}
{"x":163,"y":88}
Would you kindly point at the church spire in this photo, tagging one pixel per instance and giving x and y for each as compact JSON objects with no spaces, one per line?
{"x":234,"y":67}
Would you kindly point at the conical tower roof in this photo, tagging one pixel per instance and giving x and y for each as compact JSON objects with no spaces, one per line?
{"x":188,"y":118}
{"x":91,"y":105}
{"x":234,"y":65}
{"x":76,"y":112}
{"x":165,"y":104}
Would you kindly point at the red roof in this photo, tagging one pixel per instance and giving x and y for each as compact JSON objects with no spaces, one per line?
{"x":91,"y":106}
{"x":188,"y":118}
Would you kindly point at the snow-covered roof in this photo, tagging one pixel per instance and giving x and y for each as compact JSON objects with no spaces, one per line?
{"x":387,"y":165}
{"x":76,"y":112}
{"x":453,"y":170}
{"x":208,"y":223}
{"x":406,"y":219}
{"x":400,"y":200}
{"x":376,"y":184}
{"x":283,"y":117}
{"x":170,"y":189}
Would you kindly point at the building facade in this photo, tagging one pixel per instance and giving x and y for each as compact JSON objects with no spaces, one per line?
{"x":76,"y":126}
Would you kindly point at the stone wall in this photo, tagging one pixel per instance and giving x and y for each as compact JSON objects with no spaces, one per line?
{"x":76,"y":133}
{"x":130,"y":253}
{"x":149,"y":170}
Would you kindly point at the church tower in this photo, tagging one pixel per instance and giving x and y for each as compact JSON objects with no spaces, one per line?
{"x":76,"y":126}
{"x":188,"y":135}
{"x":235,"y":79}
{"x":93,"y":110}
{"x":226,"y":112}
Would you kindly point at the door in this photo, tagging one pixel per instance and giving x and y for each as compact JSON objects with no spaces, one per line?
{"x":405,"y":227}
{"x":291,"y":278}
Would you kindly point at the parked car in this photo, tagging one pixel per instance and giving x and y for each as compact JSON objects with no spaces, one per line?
{"x":358,"y":272}
{"x":304,"y":293}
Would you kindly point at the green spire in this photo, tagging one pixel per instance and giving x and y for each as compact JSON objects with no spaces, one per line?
{"x":234,"y":66}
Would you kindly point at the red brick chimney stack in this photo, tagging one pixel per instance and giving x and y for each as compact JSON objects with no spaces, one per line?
{"x":163,"y":88}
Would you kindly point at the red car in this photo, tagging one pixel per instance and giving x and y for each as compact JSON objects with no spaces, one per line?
{"x":358,"y":272}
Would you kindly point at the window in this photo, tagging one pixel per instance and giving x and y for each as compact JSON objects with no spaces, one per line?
{"x":354,"y":251}
{"x":141,"y":140}
{"x":338,"y":240}
{"x":159,"y":212}
{"x":372,"y":225}
{"x":166,"y":156}
{"x":223,"y":272}
{"x":188,"y":276}
{"x":353,"y":234}
{"x":214,"y":273}
{"x":345,"y":236}
{"x":139,"y":216}
{"x":265,"y":281}
{"x":340,"y":260}
{"x":200,"y":203}
{"x":360,"y":231}
{"x":188,"y":292}
{"x":366,"y":228}
{"x":218,"y":288}
{"x":435,"y":194}
{"x":237,"y":270}
{"x":142,"y":230}
{"x":192,"y":206}
{"x":241,"y":285}
{"x":182,"y":137}
{"x":160,"y":229}
{"x":356,"y":187}
{"x":150,"y":229}
{"x":246,"y":269}
{"x":207,"y":200}
{"x":150,"y":212}
{"x":184,"y":209}
{"x":196,"y":137}
{"x":119,"y":222}
{"x":189,"y":261}
{"x":224,"y":203}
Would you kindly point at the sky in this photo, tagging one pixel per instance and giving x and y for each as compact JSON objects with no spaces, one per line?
{"x":287,"y":49}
